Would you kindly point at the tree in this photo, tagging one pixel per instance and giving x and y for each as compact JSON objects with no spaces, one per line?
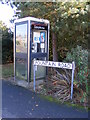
{"x":73,"y":26}
{"x":69,"y":23}
{"x":7,"y":44}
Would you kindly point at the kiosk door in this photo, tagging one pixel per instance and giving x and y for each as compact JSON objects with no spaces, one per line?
{"x":39,"y":51}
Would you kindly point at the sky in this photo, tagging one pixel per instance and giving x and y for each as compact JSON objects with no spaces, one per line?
{"x":6,"y":13}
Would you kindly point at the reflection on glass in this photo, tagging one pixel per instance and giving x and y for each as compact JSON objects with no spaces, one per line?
{"x":21,"y":51}
{"x":21,"y":38}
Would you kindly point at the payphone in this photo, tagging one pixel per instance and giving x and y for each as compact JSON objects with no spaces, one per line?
{"x":38,"y":43}
{"x":31,"y":41}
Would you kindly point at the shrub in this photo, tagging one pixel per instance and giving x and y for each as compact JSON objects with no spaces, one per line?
{"x":80,"y":56}
{"x":7,"y":47}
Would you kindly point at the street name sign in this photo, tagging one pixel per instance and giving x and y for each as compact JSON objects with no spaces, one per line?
{"x":53,"y":64}
{"x":62,"y":65}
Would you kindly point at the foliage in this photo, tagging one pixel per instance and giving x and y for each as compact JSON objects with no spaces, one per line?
{"x":7,"y":44}
{"x":69,"y":21}
{"x":73,"y":27}
{"x":80,"y":56}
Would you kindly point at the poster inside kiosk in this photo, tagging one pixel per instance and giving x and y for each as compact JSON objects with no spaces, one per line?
{"x":55,"y":64}
{"x":39,"y":37}
{"x":36,"y":36}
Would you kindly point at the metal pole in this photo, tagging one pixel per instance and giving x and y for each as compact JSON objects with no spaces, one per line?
{"x":73,"y":68}
{"x":14,"y":51}
{"x":34,"y":77}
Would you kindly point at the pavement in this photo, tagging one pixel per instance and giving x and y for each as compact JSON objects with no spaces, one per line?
{"x":18,"y":102}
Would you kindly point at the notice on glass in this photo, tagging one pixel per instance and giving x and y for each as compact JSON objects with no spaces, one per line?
{"x":36,"y":37}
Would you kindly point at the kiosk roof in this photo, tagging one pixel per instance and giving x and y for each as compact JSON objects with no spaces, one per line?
{"x":31,"y":18}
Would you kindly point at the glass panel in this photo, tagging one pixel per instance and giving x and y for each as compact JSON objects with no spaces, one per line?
{"x":40,"y":71}
{"x":21,"y":51}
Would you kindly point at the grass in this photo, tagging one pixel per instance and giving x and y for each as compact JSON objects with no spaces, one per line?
{"x":7,"y":70}
{"x":69,"y":104}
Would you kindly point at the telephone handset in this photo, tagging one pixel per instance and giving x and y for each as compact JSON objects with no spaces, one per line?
{"x":36,"y":47}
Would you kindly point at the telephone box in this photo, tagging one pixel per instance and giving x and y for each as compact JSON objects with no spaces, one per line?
{"x":31,"y":41}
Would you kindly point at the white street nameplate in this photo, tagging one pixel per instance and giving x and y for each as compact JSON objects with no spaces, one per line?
{"x":53,"y":64}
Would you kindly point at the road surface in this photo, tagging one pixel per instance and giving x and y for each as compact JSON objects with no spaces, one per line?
{"x":18,"y":102}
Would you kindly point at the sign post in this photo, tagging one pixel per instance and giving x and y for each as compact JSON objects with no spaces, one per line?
{"x":73,"y":68}
{"x":34,"y":72}
{"x":34,"y":77}
{"x":57,"y":65}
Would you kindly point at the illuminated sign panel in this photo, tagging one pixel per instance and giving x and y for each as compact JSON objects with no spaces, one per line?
{"x":38,"y":26}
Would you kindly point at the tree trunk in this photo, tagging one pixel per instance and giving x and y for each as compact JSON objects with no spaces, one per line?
{"x":54,"y":47}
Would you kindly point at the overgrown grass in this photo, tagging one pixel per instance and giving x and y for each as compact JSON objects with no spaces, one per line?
{"x":7,"y":70}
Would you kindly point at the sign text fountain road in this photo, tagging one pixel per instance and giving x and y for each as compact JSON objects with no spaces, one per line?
{"x":57,"y":65}
{"x":53,"y":64}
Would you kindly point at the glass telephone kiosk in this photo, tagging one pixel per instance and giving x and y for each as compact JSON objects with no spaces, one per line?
{"x":31,"y":42}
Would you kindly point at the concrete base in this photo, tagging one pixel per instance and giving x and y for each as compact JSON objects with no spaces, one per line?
{"x":25,"y":84}
{"x":22,"y":83}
